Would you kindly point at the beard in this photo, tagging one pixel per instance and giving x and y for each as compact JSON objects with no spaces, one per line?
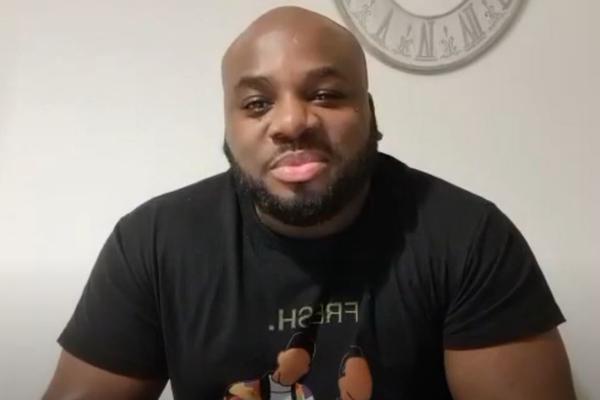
{"x":308,"y":208}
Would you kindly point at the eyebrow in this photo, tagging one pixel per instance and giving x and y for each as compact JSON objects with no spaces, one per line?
{"x":325,"y":72}
{"x":261,"y":82}
{"x":253,"y":82}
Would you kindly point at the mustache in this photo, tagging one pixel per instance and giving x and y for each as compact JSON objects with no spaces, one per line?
{"x":311,"y":140}
{"x":292,"y":146}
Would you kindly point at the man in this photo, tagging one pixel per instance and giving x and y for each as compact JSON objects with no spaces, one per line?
{"x":316,"y":267}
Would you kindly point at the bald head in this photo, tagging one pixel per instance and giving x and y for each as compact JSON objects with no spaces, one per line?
{"x":292,"y":27}
{"x":295,"y":85}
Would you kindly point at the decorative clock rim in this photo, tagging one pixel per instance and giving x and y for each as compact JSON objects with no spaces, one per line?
{"x":435,"y":16}
{"x":429,"y":69}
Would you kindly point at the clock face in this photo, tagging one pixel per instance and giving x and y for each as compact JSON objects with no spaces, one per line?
{"x":428,"y":35}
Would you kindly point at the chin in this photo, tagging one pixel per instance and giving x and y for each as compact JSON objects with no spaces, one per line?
{"x":291,"y":191}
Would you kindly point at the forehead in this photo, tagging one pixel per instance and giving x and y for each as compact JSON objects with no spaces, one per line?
{"x":288,"y":53}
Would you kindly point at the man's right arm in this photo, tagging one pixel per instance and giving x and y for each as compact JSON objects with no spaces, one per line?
{"x":74,"y":379}
{"x":112,"y":345}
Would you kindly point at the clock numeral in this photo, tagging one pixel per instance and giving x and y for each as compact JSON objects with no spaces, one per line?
{"x":381,"y":34}
{"x":505,"y":3}
{"x":426,"y":47}
{"x":471,"y":28}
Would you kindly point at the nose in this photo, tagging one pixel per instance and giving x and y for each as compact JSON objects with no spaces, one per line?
{"x":291,"y":118}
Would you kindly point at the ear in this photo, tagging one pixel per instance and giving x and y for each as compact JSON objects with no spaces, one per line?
{"x":374,"y":127}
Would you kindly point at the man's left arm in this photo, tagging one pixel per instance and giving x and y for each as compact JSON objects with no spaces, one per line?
{"x":534,"y":368}
{"x":500,"y":330}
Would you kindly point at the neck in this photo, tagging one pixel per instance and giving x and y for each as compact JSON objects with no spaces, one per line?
{"x":339,"y":222}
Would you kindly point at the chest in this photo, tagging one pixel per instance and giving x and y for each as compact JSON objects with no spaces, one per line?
{"x":232,"y":327}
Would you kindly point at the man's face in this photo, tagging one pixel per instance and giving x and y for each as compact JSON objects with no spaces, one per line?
{"x":298,"y":126}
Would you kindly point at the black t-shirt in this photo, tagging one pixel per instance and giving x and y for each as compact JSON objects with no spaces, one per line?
{"x":190,"y":286}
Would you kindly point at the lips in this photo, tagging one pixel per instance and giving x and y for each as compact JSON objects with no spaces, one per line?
{"x":299,"y":166}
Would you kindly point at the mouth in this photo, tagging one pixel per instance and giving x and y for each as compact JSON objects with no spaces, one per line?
{"x":299,"y":166}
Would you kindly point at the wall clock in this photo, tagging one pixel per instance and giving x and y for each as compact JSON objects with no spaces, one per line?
{"x":428,"y":35}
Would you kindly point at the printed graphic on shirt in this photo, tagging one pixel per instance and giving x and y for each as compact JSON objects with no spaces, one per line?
{"x":355,"y":381}
{"x":266,"y":388}
{"x":321,"y":314}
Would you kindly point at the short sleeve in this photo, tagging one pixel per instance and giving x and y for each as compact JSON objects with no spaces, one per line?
{"x":500,"y":293}
{"x":115,"y":325}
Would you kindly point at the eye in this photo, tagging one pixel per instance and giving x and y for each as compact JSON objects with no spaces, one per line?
{"x":327,"y":96}
{"x":256,"y":106}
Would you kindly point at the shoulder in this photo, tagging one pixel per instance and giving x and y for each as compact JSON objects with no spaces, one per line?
{"x":443,"y":226}
{"x":432,"y":204}
{"x":201,"y":203}
{"x":204,"y":192}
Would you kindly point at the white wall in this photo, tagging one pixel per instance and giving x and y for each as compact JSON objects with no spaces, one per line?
{"x":104,"y":104}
